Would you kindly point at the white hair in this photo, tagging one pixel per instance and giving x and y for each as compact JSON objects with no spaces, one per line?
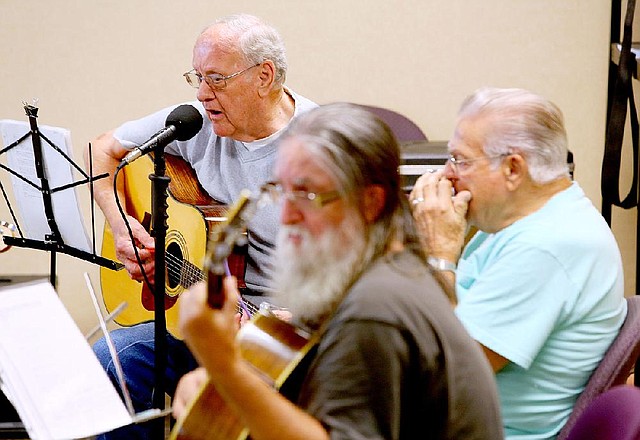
{"x":257,"y":41}
{"x":521,"y":121}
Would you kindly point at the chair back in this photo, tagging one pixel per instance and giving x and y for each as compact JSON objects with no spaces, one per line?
{"x":613,"y":415}
{"x":615,"y":367}
{"x":402,"y":127}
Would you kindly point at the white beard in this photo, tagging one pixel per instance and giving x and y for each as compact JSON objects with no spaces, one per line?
{"x":311,"y":279}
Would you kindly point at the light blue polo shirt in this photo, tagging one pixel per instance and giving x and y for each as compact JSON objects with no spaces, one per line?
{"x":546,"y":293}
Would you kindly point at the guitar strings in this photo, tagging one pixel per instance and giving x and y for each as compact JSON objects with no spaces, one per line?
{"x":189,"y":274}
{"x":184,"y":271}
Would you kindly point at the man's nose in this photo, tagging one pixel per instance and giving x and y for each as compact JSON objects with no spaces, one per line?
{"x":449,"y":171}
{"x":205,"y":93}
{"x":290,"y":214}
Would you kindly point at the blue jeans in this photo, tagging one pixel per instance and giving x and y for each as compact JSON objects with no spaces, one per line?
{"x":135,"y":348}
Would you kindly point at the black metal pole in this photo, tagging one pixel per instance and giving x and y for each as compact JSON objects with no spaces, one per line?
{"x":160,"y":183}
{"x":614,"y":37}
{"x":55,"y":238}
{"x":53,"y":279}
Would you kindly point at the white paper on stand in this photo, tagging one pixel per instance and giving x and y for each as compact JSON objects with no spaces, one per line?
{"x":58,"y":171}
{"x":49,"y":371}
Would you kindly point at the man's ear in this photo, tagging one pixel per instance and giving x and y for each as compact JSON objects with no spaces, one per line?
{"x":373,"y":199}
{"x":266,"y":77}
{"x":515,"y":170}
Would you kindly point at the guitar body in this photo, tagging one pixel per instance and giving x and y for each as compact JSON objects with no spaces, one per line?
{"x":274,"y":347}
{"x":188,"y":209}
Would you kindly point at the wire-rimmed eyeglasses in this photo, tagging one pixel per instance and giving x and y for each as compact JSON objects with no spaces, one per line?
{"x":213,"y":80}
{"x":458,"y":165}
{"x":277,"y":194}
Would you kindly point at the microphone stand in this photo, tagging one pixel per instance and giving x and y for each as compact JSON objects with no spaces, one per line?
{"x":160,"y":183}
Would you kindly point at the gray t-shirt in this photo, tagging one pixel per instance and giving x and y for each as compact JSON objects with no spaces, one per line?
{"x":395,"y":363}
{"x":224,"y":168}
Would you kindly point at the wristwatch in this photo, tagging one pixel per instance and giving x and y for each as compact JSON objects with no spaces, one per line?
{"x":442,"y":265}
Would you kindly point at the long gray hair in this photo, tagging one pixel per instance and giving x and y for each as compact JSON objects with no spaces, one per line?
{"x":358,"y":150}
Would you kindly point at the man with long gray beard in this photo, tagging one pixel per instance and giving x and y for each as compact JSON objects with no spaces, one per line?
{"x":392,"y":360}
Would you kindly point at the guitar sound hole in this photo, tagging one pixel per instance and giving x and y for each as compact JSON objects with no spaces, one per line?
{"x":174,"y":261}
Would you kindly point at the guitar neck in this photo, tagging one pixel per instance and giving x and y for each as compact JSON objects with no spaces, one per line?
{"x":215,"y":296}
{"x":215,"y":290}
{"x":222,"y":240}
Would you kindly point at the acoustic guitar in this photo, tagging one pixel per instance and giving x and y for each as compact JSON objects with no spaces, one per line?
{"x":191,"y":215}
{"x":272,"y":346}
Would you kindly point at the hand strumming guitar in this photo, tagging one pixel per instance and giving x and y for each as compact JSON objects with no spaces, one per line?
{"x":200,"y":324}
{"x":145,"y":245}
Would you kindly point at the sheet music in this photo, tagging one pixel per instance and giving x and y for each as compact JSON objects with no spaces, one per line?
{"x":48,"y":370}
{"x":58,"y":171}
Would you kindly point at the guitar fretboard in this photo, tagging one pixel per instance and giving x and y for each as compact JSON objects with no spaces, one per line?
{"x":189,"y":274}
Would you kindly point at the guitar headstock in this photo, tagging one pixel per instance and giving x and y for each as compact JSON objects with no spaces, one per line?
{"x":222,"y":239}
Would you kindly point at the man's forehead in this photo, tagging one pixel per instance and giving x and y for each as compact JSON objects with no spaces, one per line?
{"x":300,"y":181}
{"x":298,"y":169}
{"x":214,"y":52}
{"x":297,"y":166}
{"x":467,"y":134}
{"x":455,"y":141}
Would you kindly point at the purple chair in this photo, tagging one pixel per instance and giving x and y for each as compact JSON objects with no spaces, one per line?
{"x":403,"y":128}
{"x":615,"y":367}
{"x":613,"y":415}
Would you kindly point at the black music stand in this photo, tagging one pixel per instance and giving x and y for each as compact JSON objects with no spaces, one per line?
{"x":52,"y":242}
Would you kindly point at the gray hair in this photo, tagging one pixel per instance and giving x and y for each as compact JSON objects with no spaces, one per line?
{"x":521,"y":121}
{"x":257,"y":41}
{"x":358,"y":149}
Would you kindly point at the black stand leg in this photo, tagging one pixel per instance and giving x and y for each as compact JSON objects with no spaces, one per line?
{"x":636,"y":371}
{"x":160,"y":183}
{"x":53,"y":262}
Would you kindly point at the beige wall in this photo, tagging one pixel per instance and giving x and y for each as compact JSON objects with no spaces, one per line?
{"x":94,"y":64}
